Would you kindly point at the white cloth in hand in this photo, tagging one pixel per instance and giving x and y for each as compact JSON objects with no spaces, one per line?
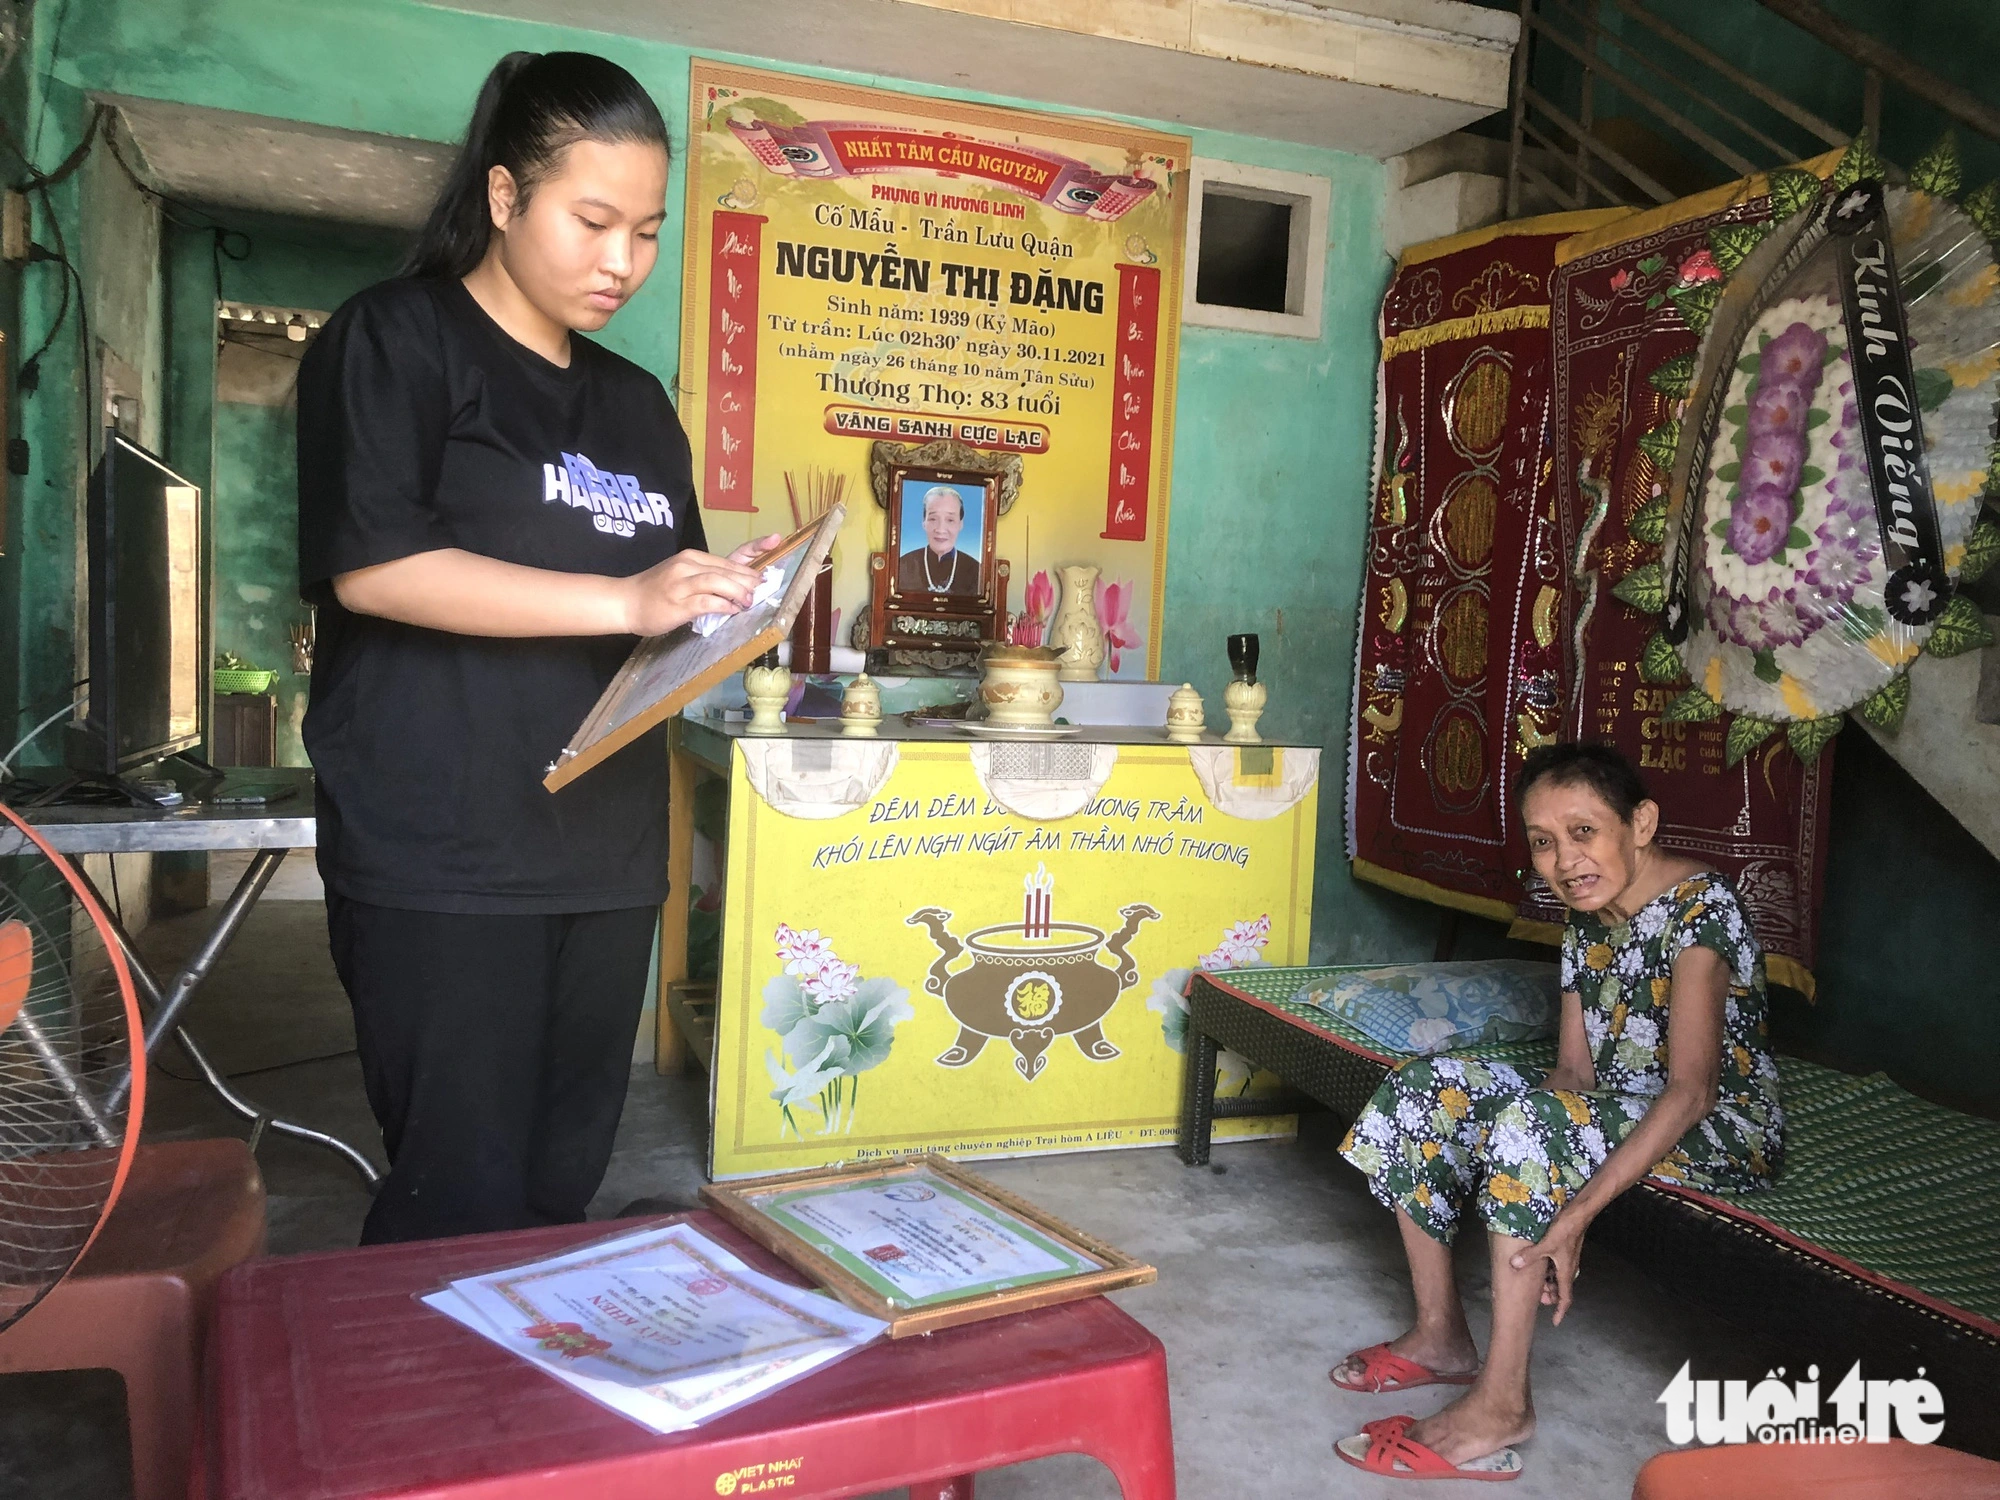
{"x":774,"y":579}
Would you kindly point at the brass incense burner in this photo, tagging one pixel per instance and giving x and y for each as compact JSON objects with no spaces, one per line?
{"x":1030,"y":982}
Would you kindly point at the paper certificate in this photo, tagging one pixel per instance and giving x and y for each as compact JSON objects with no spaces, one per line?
{"x":665,"y":1326}
{"x":916,"y":1238}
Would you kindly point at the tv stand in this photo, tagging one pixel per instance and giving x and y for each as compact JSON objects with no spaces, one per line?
{"x":65,"y":788}
{"x":206,"y":775}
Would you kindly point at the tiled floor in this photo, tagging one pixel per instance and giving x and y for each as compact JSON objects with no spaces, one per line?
{"x":1273,"y":1262}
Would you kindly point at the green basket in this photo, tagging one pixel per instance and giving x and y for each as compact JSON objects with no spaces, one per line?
{"x":237,"y":680}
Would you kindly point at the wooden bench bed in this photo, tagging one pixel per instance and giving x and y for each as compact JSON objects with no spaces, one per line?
{"x":1881,"y":1241}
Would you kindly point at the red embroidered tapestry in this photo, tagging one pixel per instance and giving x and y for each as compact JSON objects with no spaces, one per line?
{"x":1459,"y":669}
{"x":1621,"y":346}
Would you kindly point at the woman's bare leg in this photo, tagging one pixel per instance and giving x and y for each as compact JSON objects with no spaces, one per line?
{"x":1499,"y":1409}
{"x":1440,"y":1339}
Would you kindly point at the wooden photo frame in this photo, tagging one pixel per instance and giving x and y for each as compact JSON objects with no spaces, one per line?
{"x":667,"y":672}
{"x":959,"y":579}
{"x":799,"y":1217}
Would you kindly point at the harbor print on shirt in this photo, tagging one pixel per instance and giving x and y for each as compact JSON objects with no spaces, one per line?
{"x":617,"y":504}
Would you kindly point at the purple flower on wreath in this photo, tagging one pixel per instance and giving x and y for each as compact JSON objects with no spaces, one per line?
{"x":1833,"y":571}
{"x":1760,"y":624}
{"x":1772,"y":460}
{"x":1759,"y":522}
{"x":1794,"y":356}
{"x":1780,"y":406}
{"x":1850,"y":528}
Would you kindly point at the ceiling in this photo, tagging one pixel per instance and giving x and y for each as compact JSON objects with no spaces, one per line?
{"x":1375,"y":77}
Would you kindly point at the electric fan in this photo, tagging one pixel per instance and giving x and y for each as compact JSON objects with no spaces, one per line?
{"x":72,"y":1068}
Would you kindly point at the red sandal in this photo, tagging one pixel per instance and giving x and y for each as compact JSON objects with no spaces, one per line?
{"x":1384,"y":1370}
{"x":1384,"y":1447}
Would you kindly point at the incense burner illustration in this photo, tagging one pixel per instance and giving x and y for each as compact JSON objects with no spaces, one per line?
{"x":1031,"y":981}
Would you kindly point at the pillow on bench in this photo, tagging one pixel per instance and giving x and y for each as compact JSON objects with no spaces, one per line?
{"x":1427,"y":1008}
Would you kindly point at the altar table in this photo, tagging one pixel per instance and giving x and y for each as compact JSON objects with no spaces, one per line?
{"x":932,"y":941}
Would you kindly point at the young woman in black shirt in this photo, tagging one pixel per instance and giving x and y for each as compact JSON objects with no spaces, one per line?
{"x":491,"y":508}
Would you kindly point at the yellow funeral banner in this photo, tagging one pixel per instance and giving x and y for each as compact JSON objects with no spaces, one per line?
{"x":930,"y":971}
{"x":866,"y":267}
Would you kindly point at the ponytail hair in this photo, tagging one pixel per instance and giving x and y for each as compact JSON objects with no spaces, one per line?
{"x":532,"y":108}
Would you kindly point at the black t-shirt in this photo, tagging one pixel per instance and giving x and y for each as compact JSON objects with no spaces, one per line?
{"x":422,"y":425}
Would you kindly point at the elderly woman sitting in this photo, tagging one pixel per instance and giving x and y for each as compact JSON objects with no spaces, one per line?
{"x":1663,"y":1070}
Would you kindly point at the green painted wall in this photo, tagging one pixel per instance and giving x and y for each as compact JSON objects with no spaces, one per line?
{"x":254,"y":470}
{"x":256,"y":552}
{"x":1266,"y":521}
{"x":1907,"y":982}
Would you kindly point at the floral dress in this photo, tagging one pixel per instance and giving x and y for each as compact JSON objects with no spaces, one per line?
{"x":1446,"y":1132}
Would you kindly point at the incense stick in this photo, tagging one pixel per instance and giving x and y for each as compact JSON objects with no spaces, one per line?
{"x":821,"y":492}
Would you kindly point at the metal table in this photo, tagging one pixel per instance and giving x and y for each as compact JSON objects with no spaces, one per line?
{"x":272,"y":831}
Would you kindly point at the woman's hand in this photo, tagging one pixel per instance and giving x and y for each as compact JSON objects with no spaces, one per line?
{"x":755,"y":548}
{"x":1560,"y":1251}
{"x":468,"y":594}
{"x":688,"y":584}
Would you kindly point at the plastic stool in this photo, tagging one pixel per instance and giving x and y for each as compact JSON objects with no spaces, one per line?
{"x":1819,"y":1471}
{"x":138,"y":1302}
{"x":328,"y":1380}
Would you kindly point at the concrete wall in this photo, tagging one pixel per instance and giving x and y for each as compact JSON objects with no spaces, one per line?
{"x":1273,"y":438}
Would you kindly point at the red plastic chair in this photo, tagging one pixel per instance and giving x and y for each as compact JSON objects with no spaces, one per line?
{"x":138,"y":1302}
{"x":1789,"y":1471}
{"x":327,"y":1379}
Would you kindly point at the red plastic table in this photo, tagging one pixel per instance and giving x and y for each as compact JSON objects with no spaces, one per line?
{"x":328,"y":1380}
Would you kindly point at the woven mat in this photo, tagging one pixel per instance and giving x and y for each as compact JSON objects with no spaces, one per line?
{"x":1907,"y":1190}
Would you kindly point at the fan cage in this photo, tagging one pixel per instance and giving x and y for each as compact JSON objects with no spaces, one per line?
{"x":71,"y":1097}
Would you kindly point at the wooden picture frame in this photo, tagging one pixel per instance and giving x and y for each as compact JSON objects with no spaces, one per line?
{"x":925,"y":616}
{"x":919,"y":578}
{"x":750,"y":1204}
{"x":667,"y":672}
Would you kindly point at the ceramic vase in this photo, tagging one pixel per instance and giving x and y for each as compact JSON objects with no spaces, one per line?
{"x":1019,"y":686}
{"x":1075,"y":631}
{"x":1244,"y":703}
{"x":767,"y":685}
{"x":861,"y":707}
{"x":1243,"y":657}
{"x":1185,"y":719}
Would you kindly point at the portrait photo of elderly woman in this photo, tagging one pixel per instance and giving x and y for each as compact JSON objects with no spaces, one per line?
{"x":935,"y":516}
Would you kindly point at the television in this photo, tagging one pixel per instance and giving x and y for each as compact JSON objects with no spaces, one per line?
{"x":146,"y":556}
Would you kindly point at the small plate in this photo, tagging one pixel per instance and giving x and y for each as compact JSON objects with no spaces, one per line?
{"x":1021,"y":731}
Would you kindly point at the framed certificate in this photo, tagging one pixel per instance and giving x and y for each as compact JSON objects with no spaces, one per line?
{"x":922,"y":1243}
{"x":665,"y":673}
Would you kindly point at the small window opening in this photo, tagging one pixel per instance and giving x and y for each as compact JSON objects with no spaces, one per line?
{"x":1245,"y":252}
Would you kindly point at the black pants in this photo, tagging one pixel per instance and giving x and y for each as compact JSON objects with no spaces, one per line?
{"x":495,"y":1050}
